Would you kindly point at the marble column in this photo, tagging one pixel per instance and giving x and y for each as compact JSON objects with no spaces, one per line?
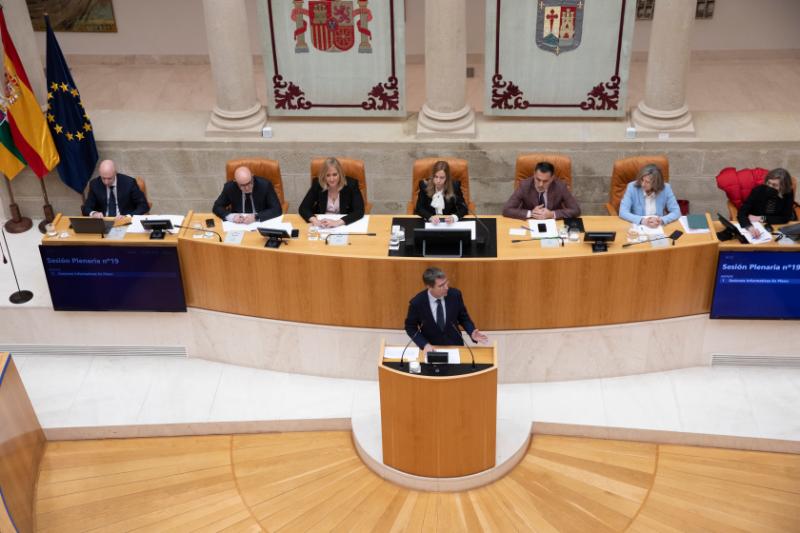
{"x":664,"y":108}
{"x":445,"y":112}
{"x":238,"y":110}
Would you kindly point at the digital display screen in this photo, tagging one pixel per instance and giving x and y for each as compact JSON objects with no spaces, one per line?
{"x":114,"y":278}
{"x":757,"y":285}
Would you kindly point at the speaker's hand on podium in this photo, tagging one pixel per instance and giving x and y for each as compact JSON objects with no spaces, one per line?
{"x":479,"y":336}
{"x":425,"y":351}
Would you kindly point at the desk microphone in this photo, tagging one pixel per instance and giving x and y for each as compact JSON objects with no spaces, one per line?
{"x":461,"y":334}
{"x":200,"y":229}
{"x":479,"y":221}
{"x":364,"y":234}
{"x":403,"y":353}
{"x":674,"y":236}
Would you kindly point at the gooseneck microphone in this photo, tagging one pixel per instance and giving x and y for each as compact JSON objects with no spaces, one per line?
{"x":674,"y":236}
{"x":479,"y":221}
{"x":461,"y":334}
{"x":200,"y":229}
{"x":414,"y":336}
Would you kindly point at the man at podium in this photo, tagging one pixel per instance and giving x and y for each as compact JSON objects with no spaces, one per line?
{"x":435,"y":313}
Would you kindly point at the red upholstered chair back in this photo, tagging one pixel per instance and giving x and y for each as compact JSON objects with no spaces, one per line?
{"x":353,"y":168}
{"x":266,"y":168}
{"x":625,"y":171}
{"x":737,"y":185}
{"x":526,"y":163}
{"x":459,"y":171}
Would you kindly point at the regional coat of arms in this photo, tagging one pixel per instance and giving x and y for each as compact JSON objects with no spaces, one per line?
{"x":333,"y":25}
{"x":559,"y":25}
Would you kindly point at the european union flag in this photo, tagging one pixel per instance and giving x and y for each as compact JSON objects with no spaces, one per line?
{"x":68,"y":121}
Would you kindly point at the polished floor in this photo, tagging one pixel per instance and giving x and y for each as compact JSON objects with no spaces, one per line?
{"x":316,"y":482}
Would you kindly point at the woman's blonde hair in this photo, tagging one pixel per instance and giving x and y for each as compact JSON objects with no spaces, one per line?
{"x":656,"y":180}
{"x":430,"y":188}
{"x":330,"y":162}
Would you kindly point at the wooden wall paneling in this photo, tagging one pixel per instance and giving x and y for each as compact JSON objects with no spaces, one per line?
{"x":22,"y":444}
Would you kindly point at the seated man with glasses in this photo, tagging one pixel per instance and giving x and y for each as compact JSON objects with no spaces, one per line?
{"x":247,"y":199}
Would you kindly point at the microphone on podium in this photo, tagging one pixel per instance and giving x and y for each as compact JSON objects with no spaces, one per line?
{"x":484,"y":226}
{"x":414,"y":336}
{"x":461,"y":334}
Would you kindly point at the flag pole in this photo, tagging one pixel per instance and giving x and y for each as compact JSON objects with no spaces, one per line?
{"x":47,"y":208}
{"x":17,"y":223}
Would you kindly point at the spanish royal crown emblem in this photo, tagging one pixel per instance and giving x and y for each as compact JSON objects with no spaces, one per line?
{"x":559,"y":25}
{"x":333,"y":25}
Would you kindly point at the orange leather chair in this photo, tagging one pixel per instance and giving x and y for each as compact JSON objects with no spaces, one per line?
{"x":265,"y":168}
{"x":526,"y":163}
{"x":625,"y":171}
{"x":353,"y":168}
{"x":459,"y":171}
{"x":143,"y":187}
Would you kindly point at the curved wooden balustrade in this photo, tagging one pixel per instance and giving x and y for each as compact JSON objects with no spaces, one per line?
{"x":525,"y":287}
{"x":21,"y":448}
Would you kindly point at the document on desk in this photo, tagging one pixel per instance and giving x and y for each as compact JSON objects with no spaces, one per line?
{"x":453,"y":356}
{"x":359,"y":226}
{"x":765,"y":236}
{"x":272,"y":223}
{"x":461,"y":224}
{"x":650,"y":233}
{"x":550,"y":228}
{"x":394,"y":352}
{"x":234,"y":237}
{"x":136,"y":222}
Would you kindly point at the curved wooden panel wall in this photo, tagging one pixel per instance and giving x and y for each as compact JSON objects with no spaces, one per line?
{"x":21,"y":448}
{"x":525,"y":287}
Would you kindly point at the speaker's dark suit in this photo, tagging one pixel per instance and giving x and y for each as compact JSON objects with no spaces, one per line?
{"x":265,"y":200}
{"x":420,"y":315}
{"x":454,"y":205}
{"x":351,"y":204}
{"x":130,"y":197}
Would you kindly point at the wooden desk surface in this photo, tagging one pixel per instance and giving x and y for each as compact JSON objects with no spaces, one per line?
{"x":525,"y":287}
{"x":483,"y":354}
{"x":62,"y":225}
{"x":378,"y":246}
{"x":735,"y":245}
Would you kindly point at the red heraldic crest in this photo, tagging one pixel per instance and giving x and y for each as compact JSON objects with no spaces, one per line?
{"x":332,"y":28}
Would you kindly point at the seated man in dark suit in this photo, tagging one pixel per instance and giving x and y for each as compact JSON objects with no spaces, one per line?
{"x":247,"y":198}
{"x":114,"y":195}
{"x":542,"y":196}
{"x":434,"y":314}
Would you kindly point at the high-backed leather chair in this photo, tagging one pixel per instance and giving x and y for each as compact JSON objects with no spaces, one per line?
{"x":625,"y":171}
{"x":737,"y":186}
{"x":353,"y":168}
{"x":526,"y":163}
{"x":143,"y":187}
{"x":459,"y":171}
{"x":265,"y":168}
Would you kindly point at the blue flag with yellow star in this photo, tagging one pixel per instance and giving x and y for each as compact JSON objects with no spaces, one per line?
{"x":68,"y":121}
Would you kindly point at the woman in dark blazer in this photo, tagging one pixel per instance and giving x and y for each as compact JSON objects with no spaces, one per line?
{"x":772,"y":202}
{"x":439,"y":197}
{"x":332,"y":193}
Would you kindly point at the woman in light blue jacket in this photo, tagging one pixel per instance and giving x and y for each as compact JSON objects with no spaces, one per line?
{"x":648,"y":200}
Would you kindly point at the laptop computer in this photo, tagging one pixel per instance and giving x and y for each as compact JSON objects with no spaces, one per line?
{"x":90,"y":225}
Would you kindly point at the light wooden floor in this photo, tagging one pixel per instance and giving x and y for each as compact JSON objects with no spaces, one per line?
{"x":316,"y":482}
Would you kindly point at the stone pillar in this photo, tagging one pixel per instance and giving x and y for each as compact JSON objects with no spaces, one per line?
{"x":445,"y":112}
{"x":664,"y":108}
{"x":238,"y":110}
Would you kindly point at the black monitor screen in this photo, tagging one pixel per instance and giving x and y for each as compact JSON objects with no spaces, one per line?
{"x":114,"y":278}
{"x":757,"y":285}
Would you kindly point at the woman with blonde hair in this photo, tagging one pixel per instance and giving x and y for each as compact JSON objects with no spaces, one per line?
{"x":439,"y":197}
{"x":332,"y":193}
{"x":648,"y":200}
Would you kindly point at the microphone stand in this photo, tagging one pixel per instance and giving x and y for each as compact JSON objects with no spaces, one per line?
{"x":19,"y":297}
{"x":673,"y":237}
{"x":479,"y":221}
{"x":414,"y":336}
{"x":199,"y":229}
{"x":526,"y":228}
{"x":461,"y":334}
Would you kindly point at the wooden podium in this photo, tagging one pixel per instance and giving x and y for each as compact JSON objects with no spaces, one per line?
{"x":440,"y":425}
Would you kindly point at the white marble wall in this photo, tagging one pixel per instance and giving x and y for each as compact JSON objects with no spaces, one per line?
{"x":524,"y":356}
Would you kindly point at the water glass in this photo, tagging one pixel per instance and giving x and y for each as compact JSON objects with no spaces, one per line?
{"x":633,"y":234}
{"x":574,"y":235}
{"x":563,"y":232}
{"x":313,"y":233}
{"x":51,"y":229}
